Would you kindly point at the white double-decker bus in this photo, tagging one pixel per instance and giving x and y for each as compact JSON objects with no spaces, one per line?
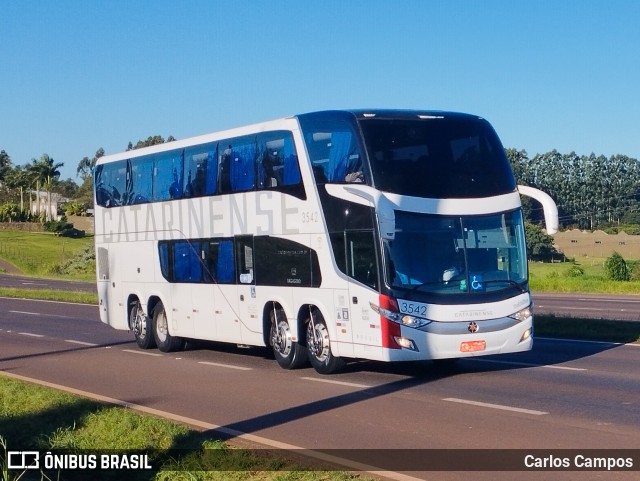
{"x":382,"y":235}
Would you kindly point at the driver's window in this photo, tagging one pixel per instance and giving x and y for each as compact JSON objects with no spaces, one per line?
{"x":361,"y":257}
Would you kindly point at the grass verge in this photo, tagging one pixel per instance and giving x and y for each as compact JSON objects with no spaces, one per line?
{"x":50,"y":295}
{"x":44,"y":254}
{"x":45,"y":419}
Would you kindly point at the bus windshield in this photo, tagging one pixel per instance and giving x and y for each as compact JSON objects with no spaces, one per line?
{"x":438,"y":157}
{"x":454,"y":255}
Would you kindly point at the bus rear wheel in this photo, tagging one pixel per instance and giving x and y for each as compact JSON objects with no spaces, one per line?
{"x":141,"y":326}
{"x":288,"y":353}
{"x":165,"y":341}
{"x":319,"y":348}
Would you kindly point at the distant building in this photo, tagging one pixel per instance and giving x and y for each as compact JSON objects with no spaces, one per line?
{"x":46,"y":203}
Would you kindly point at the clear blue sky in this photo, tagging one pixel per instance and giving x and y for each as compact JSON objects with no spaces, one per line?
{"x":79,"y":75}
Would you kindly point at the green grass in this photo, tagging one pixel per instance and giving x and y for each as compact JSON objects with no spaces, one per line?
{"x":50,"y":295}
{"x":42,"y":253}
{"x":47,"y":419}
{"x":545,"y":277}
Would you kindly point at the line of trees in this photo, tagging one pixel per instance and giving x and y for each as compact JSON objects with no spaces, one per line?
{"x":592,"y":192}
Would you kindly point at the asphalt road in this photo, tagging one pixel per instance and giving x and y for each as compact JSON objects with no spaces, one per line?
{"x":576,"y":305}
{"x":561,"y":395}
{"x":592,"y":305}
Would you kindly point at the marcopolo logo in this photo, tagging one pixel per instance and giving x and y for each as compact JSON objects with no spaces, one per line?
{"x":23,"y":460}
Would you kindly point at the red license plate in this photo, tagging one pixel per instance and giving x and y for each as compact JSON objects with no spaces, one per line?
{"x":473,"y":346}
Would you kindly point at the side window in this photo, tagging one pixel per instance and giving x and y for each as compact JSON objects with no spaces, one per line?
{"x":110,"y":183}
{"x":335,"y":152}
{"x":281,"y":262}
{"x":163,"y":251}
{"x":244,"y":255}
{"x":187,"y":266}
{"x":277,"y":162}
{"x":167,"y":176}
{"x":102,"y":191}
{"x":361,"y":257}
{"x":242,"y":164}
{"x":218,"y":260}
{"x":201,"y":170}
{"x":338,"y":244}
{"x":140,"y":182}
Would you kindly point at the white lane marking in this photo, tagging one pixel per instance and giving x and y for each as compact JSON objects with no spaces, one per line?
{"x":496,"y":406}
{"x":208,"y":427}
{"x":59,"y":316}
{"x":228,"y":366}
{"x":50,"y":302}
{"x":530,"y":364}
{"x":340,"y":383}
{"x":606,"y":343}
{"x":31,"y":334}
{"x":133,"y":351}
{"x":594,"y":299}
{"x":82,"y":343}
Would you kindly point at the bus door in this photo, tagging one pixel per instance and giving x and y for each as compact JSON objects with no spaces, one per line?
{"x":110,"y":290}
{"x":362,"y":266}
{"x":250,"y":318}
{"x":221,"y":273}
{"x":185,"y":299}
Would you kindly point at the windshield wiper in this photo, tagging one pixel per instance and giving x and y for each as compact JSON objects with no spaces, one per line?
{"x":508,"y":281}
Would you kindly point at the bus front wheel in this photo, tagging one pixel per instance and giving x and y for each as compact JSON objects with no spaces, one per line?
{"x":288,"y":353}
{"x":319,"y":348}
{"x":140,"y":324}
{"x":165,"y":341}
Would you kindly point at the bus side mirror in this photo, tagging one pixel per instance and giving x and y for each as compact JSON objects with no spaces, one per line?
{"x":548,"y":206}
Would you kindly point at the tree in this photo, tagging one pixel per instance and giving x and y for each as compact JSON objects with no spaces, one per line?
{"x":539,"y":243}
{"x":20,"y":179}
{"x":86,"y":165}
{"x":45,"y":169}
{"x":5,"y":165}
{"x":85,"y":169}
{"x":155,"y":140}
{"x":66,"y":188}
{"x":616,"y":268}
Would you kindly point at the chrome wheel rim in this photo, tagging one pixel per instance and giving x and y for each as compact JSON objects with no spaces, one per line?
{"x":281,"y":339}
{"x":139,"y":324}
{"x":318,"y":341}
{"x":161,"y":326}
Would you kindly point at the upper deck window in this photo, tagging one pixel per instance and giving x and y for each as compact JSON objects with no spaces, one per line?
{"x":440,"y":157}
{"x":334,"y":151}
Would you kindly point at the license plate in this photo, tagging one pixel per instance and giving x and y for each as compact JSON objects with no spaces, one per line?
{"x":473,"y":346}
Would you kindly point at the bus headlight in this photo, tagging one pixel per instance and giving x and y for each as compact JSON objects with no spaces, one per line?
{"x":522,"y":314}
{"x":400,"y":318}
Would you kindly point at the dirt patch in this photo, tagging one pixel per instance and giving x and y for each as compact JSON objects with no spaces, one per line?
{"x":577,"y":243}
{"x":82,"y":223}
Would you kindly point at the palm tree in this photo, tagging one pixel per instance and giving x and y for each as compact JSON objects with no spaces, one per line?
{"x":19,"y":178}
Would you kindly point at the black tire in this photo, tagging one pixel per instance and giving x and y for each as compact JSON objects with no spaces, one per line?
{"x":319,"y":346}
{"x":165,"y":341}
{"x":288,"y":354}
{"x":142,"y":326}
